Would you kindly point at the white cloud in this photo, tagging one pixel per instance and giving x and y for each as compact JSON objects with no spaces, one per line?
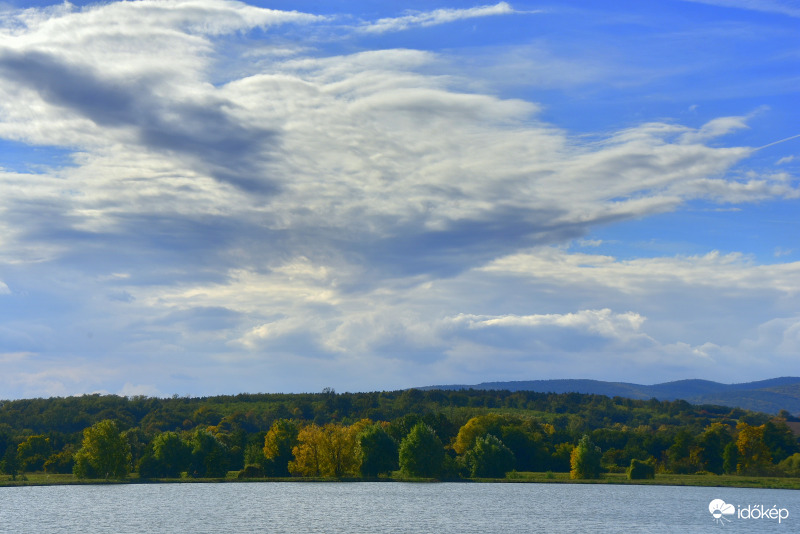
{"x":732,"y":272}
{"x":132,"y":390}
{"x":436,"y":17}
{"x":603,"y":322}
{"x":304,"y":207}
{"x":715,"y":128}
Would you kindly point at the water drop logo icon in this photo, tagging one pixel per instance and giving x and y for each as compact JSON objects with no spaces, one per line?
{"x":719,"y":509}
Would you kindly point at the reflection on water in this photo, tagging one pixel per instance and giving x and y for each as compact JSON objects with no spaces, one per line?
{"x":382,"y":508}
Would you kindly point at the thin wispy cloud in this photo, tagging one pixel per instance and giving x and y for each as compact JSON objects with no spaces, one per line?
{"x":782,"y":7}
{"x":433,"y":18}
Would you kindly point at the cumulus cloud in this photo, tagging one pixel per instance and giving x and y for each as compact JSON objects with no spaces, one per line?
{"x":356,"y":210}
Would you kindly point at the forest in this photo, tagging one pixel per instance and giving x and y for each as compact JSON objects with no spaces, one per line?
{"x":433,"y":434}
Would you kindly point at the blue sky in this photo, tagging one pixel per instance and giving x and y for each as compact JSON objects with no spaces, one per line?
{"x":208,"y":196}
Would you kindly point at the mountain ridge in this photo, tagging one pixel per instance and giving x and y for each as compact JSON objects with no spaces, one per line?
{"x":770,"y":395}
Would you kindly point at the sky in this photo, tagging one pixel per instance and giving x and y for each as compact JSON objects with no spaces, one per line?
{"x":203,"y":197}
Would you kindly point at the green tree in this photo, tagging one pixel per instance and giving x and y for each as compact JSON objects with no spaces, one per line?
{"x":137,"y":441}
{"x":421,"y":453}
{"x":168,"y":457}
{"x":209,"y":456}
{"x":33,"y":452}
{"x":489,"y":458}
{"x":10,"y":462}
{"x":104,"y":453}
{"x":780,"y":440}
{"x":529,"y":448}
{"x":254,"y":455}
{"x":730,"y":458}
{"x":379,"y":453}
{"x":679,"y":454}
{"x":61,"y":462}
{"x":710,"y":450}
{"x":585,"y":460}
{"x":278,"y":445}
{"x":560,"y":457}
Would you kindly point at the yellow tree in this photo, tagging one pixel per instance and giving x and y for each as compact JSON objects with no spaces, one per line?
{"x":328,"y":451}
{"x":278,"y":445}
{"x":477,"y":427}
{"x":307,"y":453}
{"x":754,"y":455}
{"x":340,"y":451}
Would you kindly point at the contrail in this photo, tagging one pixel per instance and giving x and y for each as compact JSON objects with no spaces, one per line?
{"x":777,"y":142}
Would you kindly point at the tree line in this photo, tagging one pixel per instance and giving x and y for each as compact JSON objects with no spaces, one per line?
{"x":431,"y":434}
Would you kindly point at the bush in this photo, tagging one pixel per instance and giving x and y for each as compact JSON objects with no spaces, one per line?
{"x":640,"y":470}
{"x":251,"y":471}
{"x":791,"y":465}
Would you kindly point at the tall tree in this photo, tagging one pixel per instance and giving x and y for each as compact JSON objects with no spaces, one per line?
{"x":754,"y":455}
{"x":710,"y":448}
{"x":209,"y":455}
{"x":730,"y":458}
{"x":585,"y":460}
{"x":104,"y":453}
{"x":378,"y":451}
{"x":340,"y":456}
{"x":308,"y":452}
{"x":278,"y":445}
{"x":10,"y":463}
{"x":327,"y":451}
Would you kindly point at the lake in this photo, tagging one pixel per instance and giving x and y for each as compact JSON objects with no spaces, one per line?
{"x":391,"y":507}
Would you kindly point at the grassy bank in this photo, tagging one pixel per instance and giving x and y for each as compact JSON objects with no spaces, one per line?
{"x":733,"y":481}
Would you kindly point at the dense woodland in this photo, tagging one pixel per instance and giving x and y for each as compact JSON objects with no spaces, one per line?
{"x":411,"y":433}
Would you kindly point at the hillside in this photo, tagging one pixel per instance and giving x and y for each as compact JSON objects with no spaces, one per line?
{"x":770,"y":396}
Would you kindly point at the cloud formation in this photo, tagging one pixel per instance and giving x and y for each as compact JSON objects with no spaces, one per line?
{"x":248,"y":204}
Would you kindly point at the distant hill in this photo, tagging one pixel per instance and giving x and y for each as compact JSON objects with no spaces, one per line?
{"x":770,"y":396}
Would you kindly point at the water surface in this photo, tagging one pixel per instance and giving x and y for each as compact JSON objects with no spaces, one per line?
{"x":392,"y":507}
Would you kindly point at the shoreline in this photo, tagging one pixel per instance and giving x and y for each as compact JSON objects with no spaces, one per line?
{"x":728,"y":481}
